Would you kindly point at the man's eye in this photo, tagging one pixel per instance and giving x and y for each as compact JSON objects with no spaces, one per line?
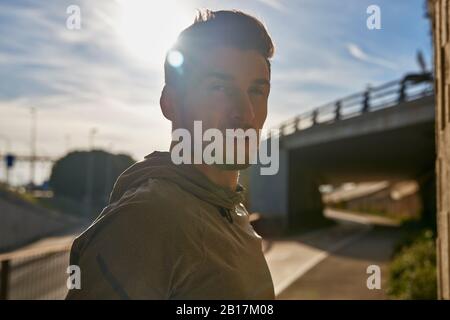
{"x":228,"y":90}
{"x":256,"y":91}
{"x":218,"y":87}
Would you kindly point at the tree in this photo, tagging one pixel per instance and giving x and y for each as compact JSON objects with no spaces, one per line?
{"x":68,"y":179}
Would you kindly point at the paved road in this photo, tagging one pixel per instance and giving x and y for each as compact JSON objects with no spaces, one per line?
{"x":332,"y":263}
{"x":342,"y":275}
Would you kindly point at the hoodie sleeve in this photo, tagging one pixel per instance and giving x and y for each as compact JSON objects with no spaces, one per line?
{"x":138,"y":251}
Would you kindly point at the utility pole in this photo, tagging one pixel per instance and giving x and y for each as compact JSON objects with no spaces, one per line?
{"x":108,"y":173}
{"x":33,"y":146}
{"x":438,"y":11}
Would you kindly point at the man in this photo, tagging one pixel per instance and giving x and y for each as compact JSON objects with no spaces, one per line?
{"x":180,"y":231}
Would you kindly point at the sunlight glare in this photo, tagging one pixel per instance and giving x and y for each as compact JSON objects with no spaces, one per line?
{"x":148,"y":30}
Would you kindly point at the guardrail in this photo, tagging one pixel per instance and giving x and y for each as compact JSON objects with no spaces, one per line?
{"x":409,"y":88}
{"x":37,"y":271}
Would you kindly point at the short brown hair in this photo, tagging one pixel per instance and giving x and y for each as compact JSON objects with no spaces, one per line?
{"x":217,"y":28}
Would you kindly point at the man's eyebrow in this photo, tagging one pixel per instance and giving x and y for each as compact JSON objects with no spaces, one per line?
{"x":220,"y":75}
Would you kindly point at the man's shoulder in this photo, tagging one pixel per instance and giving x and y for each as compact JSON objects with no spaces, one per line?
{"x":138,"y":237}
{"x":162,"y":190}
{"x":157,"y":207}
{"x":155,"y":196}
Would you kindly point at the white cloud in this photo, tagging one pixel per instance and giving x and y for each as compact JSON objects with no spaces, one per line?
{"x":356,"y":52}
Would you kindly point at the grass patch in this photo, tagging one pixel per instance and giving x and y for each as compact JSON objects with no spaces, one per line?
{"x":412,"y":272}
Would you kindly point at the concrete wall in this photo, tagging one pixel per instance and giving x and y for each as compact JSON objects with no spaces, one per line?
{"x":22,"y":223}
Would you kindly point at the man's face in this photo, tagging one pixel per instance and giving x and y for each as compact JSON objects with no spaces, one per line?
{"x":229,"y":90}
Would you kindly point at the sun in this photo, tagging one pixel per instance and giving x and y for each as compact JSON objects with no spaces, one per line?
{"x":148,"y":28}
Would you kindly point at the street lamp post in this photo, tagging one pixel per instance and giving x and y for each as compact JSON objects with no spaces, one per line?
{"x":6,"y":154}
{"x":90,"y":173}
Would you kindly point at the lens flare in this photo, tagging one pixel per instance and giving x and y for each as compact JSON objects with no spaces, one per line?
{"x":175,"y":58}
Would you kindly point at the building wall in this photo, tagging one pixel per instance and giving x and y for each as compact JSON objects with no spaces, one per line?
{"x":440,"y":19}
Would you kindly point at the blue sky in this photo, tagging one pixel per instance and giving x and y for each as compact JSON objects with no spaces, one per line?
{"x":109,"y":74}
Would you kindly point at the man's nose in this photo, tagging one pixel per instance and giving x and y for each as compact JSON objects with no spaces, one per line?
{"x":243,"y":111}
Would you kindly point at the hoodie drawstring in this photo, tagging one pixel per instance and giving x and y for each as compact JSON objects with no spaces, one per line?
{"x":224,"y":212}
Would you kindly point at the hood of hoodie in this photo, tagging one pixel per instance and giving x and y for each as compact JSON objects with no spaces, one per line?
{"x":159,"y":165}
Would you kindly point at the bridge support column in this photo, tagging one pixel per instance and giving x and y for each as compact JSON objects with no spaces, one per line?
{"x":269,"y":197}
{"x":305,"y":200}
{"x":289,"y":201}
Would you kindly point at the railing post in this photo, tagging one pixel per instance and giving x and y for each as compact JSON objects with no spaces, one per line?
{"x":282,"y":130}
{"x":314,"y":119}
{"x":366,"y":101}
{"x":4,"y":280}
{"x":402,"y":93}
{"x":337,"y":114}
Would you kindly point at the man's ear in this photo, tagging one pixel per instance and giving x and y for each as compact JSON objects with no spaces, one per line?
{"x":167,"y":102}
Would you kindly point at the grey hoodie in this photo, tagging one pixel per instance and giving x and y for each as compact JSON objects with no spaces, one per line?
{"x":170,"y":233}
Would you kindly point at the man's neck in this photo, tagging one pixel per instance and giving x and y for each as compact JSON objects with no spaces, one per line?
{"x":224,"y":178}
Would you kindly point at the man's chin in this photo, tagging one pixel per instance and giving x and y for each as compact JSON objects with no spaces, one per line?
{"x":233,"y":167}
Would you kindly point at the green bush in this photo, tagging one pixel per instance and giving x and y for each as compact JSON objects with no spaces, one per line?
{"x":413,"y":269}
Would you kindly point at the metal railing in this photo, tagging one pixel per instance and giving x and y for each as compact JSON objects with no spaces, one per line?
{"x":37,"y":271}
{"x":409,"y":88}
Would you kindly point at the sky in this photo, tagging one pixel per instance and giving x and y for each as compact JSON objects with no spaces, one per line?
{"x":108,"y":74}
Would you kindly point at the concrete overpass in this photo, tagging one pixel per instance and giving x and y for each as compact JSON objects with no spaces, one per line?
{"x":385,"y":133}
